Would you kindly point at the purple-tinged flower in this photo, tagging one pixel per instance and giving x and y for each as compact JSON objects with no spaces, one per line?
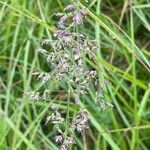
{"x":77,"y":50}
{"x":61,"y":25}
{"x":92,"y":73}
{"x":65,"y":67}
{"x":70,"y":141}
{"x":78,"y":19}
{"x":83,"y":11}
{"x":82,"y":117}
{"x":58,"y":33}
{"x":64,"y":147}
{"x":54,"y":118}
{"x":81,"y":127}
{"x":65,"y":36}
{"x":58,"y":138}
{"x":70,"y":7}
{"x":63,"y":19}
{"x":68,"y":39}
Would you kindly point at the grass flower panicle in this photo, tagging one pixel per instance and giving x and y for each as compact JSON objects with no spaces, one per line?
{"x":66,"y":58}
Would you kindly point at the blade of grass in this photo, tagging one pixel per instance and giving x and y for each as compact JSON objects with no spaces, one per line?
{"x":11,"y":70}
{"x":120,"y":36}
{"x":107,"y":137}
{"x":23,"y":138}
{"x":20,"y":9}
{"x":135,"y":135}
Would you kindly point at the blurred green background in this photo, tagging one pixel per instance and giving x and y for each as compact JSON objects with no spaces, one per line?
{"x":122,"y":29}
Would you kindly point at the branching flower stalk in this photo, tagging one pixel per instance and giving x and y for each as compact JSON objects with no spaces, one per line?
{"x":66,"y":60}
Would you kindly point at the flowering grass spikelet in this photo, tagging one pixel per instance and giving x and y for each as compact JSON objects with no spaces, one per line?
{"x":67,"y":64}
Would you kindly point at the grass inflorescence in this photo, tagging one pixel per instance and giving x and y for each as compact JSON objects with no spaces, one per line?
{"x":116,"y":73}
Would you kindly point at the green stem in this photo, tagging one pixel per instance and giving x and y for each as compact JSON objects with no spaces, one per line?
{"x":67,"y":114}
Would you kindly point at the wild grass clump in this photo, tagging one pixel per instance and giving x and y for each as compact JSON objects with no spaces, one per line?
{"x":73,"y":62}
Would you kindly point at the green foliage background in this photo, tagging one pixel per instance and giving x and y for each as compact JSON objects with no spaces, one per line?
{"x":122,"y":29}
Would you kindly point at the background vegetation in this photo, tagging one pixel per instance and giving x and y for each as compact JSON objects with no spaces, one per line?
{"x":122,"y":29}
